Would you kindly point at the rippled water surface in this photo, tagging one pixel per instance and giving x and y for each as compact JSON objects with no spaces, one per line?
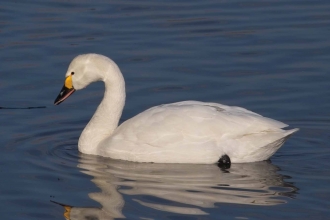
{"x":271,"y":57}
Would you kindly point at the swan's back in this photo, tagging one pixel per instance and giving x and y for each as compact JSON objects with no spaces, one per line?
{"x":195,"y":132}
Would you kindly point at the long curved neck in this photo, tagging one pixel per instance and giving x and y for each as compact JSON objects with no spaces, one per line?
{"x":105,"y":119}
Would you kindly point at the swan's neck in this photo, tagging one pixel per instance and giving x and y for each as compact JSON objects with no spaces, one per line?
{"x":106,"y":118}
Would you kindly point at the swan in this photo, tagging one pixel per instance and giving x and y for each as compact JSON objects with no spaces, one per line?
{"x":183,"y":132}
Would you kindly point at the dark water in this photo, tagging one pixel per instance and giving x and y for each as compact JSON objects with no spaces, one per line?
{"x":271,"y":57}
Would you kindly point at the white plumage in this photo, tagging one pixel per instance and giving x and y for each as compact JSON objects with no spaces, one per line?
{"x":182,"y":132}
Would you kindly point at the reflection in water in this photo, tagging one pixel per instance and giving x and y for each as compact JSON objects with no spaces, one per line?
{"x":178,"y":188}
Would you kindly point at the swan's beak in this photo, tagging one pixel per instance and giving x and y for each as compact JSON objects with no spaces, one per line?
{"x":66,"y":91}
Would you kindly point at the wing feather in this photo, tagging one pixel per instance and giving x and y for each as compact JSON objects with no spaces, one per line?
{"x":173,"y":123}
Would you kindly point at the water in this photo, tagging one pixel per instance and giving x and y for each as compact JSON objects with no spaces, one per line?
{"x":270,"y":57}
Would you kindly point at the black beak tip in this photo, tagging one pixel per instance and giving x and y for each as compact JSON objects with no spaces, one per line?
{"x":64,"y":94}
{"x":58,"y":99}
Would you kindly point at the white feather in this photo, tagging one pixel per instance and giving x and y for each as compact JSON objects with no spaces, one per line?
{"x":182,"y":132}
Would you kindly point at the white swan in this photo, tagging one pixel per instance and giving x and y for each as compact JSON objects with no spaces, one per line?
{"x":182,"y":132}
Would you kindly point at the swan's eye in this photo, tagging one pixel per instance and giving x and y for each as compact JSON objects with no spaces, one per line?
{"x":72,"y":73}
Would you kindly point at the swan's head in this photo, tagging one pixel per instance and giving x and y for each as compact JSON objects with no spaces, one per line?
{"x":83,"y":70}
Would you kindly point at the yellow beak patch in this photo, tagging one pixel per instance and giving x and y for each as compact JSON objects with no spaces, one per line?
{"x":68,"y":82}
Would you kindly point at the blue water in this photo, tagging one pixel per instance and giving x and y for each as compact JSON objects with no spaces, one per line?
{"x":270,"y":57}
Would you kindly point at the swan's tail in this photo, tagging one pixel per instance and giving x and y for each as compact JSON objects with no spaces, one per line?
{"x":288,"y":133}
{"x":272,"y":147}
{"x":260,"y":146}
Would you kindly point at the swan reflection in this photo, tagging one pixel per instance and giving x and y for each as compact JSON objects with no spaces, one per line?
{"x":178,"y":188}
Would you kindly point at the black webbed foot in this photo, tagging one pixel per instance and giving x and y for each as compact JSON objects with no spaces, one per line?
{"x":224,"y":162}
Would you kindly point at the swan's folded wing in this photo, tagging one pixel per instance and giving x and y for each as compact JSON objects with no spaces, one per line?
{"x":170,"y":124}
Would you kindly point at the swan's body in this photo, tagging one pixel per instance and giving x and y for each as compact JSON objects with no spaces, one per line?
{"x":183,"y":132}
